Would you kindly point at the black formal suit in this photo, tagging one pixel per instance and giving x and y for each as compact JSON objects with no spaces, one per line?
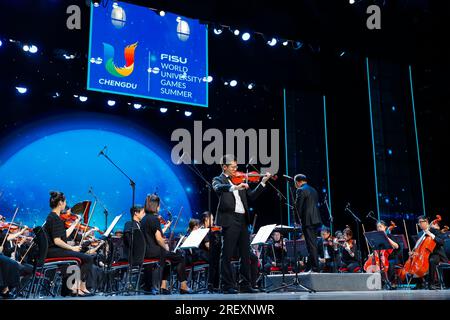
{"x":306,"y":204}
{"x":438,"y":254}
{"x":234,"y":230}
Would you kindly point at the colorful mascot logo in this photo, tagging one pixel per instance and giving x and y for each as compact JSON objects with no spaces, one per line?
{"x":129,"y":60}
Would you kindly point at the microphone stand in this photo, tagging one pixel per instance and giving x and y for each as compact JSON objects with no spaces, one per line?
{"x":358,"y":221}
{"x":105,"y":211}
{"x":132,"y":183}
{"x":127,"y":287}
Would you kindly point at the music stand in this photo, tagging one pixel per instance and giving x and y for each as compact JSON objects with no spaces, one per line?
{"x":378,"y":241}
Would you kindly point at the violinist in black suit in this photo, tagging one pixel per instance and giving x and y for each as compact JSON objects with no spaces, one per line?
{"x":438,"y":255}
{"x":306,"y":202}
{"x":233,"y":216}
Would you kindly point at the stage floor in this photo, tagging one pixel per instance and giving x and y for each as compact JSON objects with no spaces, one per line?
{"x":334,"y":295}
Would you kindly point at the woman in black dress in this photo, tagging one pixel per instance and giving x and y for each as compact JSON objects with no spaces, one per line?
{"x":58,"y":247}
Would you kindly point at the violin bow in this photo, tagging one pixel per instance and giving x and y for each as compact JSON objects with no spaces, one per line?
{"x":175,"y":225}
{"x":89,"y":220}
{"x":9,"y":228}
{"x":407,"y":237}
{"x":253,"y":224}
{"x":367,"y":243}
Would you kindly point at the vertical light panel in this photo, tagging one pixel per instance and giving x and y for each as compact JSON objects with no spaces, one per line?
{"x":373,"y":139}
{"x":286,"y":159}
{"x":417,"y":140}
{"x":326,"y":153}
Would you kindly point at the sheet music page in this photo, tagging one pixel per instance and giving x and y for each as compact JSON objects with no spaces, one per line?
{"x":195,"y":238}
{"x":112,"y":225}
{"x":263,"y":234}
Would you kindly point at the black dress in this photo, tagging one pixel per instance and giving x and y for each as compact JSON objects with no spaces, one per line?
{"x":9,"y":269}
{"x":54,"y":226}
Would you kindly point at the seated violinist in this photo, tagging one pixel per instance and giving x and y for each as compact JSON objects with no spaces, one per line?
{"x":327,"y":251}
{"x":349,"y":259}
{"x":57,"y":243}
{"x":214,"y":247}
{"x":200,"y":253}
{"x":438,"y":255}
{"x":158,"y":248}
{"x":275,"y":254}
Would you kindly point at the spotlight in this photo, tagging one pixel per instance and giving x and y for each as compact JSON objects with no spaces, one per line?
{"x":245,"y":36}
{"x":218,"y":31}
{"x":393,"y":108}
{"x":96,"y":3}
{"x":297,"y":45}
{"x":111,"y":103}
{"x":390,"y":152}
{"x":1,"y":43}
{"x":163,"y":110}
{"x":285,"y":43}
{"x":26,"y":48}
{"x":250,"y":86}
{"x":351,"y":1}
{"x":137,"y":106}
{"x":162,"y":13}
{"x":21,"y":90}
{"x":225,"y":83}
{"x":33,"y":49}
{"x":233,"y":83}
{"x":83,"y":98}
{"x":93,"y":60}
{"x":236,"y":32}
{"x":272,"y":42}
{"x":188,"y":113}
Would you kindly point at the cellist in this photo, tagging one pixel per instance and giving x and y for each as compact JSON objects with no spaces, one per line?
{"x":393,"y":255}
{"x":438,"y":255}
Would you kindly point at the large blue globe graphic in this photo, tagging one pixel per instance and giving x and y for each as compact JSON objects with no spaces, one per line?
{"x":67,"y":160}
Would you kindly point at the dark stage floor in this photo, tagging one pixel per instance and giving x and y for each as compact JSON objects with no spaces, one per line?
{"x":334,"y":295}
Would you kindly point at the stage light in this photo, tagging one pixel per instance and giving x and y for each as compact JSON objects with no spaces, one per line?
{"x":162,"y":13}
{"x":272,"y":42}
{"x":351,"y":1}
{"x":26,"y":48}
{"x":236,"y":32}
{"x":188,"y":113}
{"x":217,"y":31}
{"x":83,"y":98}
{"x":342,"y":54}
{"x":1,"y":43}
{"x":33,"y":49}
{"x":390,"y":152}
{"x":111,"y":103}
{"x":250,"y":86}
{"x":21,"y":90}
{"x":225,"y":83}
{"x":245,"y":36}
{"x":163,"y":110}
{"x":233,"y":83}
{"x":393,"y":108}
{"x":137,"y":106}
{"x":96,"y":4}
{"x":297,"y":45}
{"x":93,"y":60}
{"x":285,"y":43}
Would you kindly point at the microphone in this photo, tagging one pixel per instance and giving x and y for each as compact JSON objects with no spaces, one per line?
{"x":288,"y":177}
{"x":102,"y":151}
{"x":369,"y":214}
{"x":347,"y":206}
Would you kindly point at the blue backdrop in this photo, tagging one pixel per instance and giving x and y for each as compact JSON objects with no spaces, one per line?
{"x":61,"y":154}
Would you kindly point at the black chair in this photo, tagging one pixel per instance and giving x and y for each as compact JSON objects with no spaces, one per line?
{"x":444,"y":266}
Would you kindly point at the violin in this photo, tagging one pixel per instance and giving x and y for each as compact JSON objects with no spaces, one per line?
{"x":418,"y":261}
{"x":253,"y":176}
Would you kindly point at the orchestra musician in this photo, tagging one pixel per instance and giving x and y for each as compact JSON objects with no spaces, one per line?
{"x":327,"y":251}
{"x":307,"y":206}
{"x":158,"y":248}
{"x":197,"y":254}
{"x":215,"y":245}
{"x":57,"y":243}
{"x":275,"y":254}
{"x":349,"y":259}
{"x":393,"y":256}
{"x":438,"y":255}
{"x":233,"y":217}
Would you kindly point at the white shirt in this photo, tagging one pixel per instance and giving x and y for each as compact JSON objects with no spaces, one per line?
{"x":239,"y":207}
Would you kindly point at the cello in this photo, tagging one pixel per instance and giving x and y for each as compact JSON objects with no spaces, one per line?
{"x":418,"y":261}
{"x":373,"y":262}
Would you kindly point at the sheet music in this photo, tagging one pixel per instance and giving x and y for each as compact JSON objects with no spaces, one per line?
{"x":178,"y":244}
{"x":112,"y":225}
{"x":195,"y":238}
{"x":263,"y":234}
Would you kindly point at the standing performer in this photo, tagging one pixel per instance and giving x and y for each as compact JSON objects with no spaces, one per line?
{"x":307,"y":207}
{"x":233,"y":217}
